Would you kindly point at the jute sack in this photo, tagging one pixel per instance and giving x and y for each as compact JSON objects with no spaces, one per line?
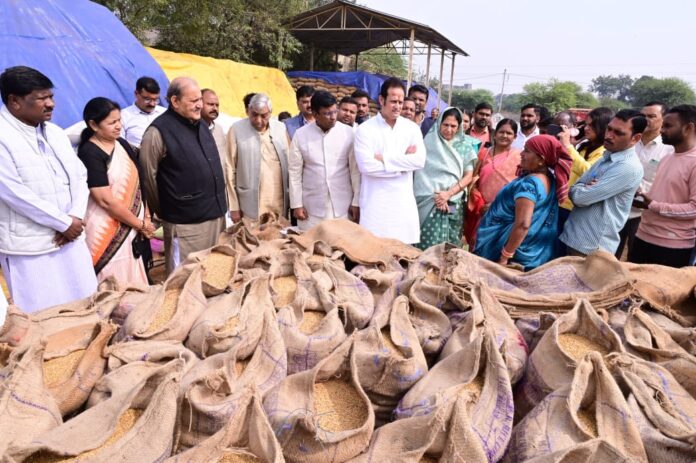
{"x":383,"y":284}
{"x":477,"y":371}
{"x":17,"y":325}
{"x":356,"y":242}
{"x":309,"y":335}
{"x":485,"y":308}
{"x":170,"y":310}
{"x":239,"y":238}
{"x":293,"y":283}
{"x":533,"y":328}
{"x":269,"y":226}
{"x":445,"y":435}
{"x":322,"y":414}
{"x":647,"y":340}
{"x":430,"y":264}
{"x":591,"y":406}
{"x":211,"y":389}
{"x":219,"y":268}
{"x":265,"y":253}
{"x":232,"y":319}
{"x":552,"y":363}
{"x":338,"y":288}
{"x":591,"y":451}
{"x":247,"y":433}
{"x":26,"y":408}
{"x":553,"y":287}
{"x":73,"y":362}
{"x":390,"y":359}
{"x":130,"y":363}
{"x":665,"y":413}
{"x":427,"y":304}
{"x":322,"y":253}
{"x":664,"y":288}
{"x":134,"y":427}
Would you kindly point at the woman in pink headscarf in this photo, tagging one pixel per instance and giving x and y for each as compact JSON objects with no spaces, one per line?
{"x":521,"y":224}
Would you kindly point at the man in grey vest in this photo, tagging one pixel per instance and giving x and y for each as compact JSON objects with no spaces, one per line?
{"x":257,"y":163}
{"x":184,"y":180}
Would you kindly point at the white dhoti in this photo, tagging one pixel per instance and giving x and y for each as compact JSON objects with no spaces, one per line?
{"x":38,"y":282}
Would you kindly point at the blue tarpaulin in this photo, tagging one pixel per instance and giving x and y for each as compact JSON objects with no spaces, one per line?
{"x":370,"y":83}
{"x":81,"y":46}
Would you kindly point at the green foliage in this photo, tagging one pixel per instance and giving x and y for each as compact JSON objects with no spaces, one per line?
{"x":383,"y":61}
{"x":613,"y":87}
{"x":671,"y":91}
{"x":614,"y":104}
{"x":559,"y":95}
{"x":468,"y":99}
{"x":513,"y":103}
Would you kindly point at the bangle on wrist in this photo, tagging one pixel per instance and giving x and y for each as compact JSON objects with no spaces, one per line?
{"x":505,"y":253}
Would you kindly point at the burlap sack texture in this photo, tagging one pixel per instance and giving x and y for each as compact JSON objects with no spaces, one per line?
{"x":190,"y":304}
{"x":389,"y":368}
{"x":71,"y":389}
{"x":89,"y":434}
{"x":533,"y":329}
{"x":646,"y":339}
{"x":292,"y":412}
{"x":426,"y":311}
{"x":247,"y":430}
{"x":560,"y":421}
{"x":478,"y":371}
{"x":232,"y":320}
{"x":209,"y":286}
{"x":445,"y":435}
{"x":27,"y":408}
{"x":664,"y":411}
{"x":211,"y":389}
{"x":383,"y":284}
{"x":549,"y":367}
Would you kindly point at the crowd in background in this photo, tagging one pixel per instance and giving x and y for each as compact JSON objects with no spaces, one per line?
{"x":519,"y":192}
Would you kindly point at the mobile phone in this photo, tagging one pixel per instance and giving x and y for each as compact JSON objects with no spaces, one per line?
{"x":554,"y":129}
{"x":452,"y":208}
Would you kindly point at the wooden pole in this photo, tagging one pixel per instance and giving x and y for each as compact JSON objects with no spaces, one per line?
{"x":442,"y":69}
{"x":449,"y":97}
{"x":502,"y":91}
{"x":410,"y":57}
{"x":427,"y":67}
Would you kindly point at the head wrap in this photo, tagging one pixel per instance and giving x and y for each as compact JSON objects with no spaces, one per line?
{"x":556,"y":158}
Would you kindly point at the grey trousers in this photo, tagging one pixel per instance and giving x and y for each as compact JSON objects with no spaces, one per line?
{"x":191,"y":238}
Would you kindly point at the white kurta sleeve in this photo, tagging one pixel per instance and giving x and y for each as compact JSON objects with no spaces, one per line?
{"x":24,"y":201}
{"x":402,"y":162}
{"x":365,"y":155}
{"x":78,"y":189}
{"x":295,"y":166}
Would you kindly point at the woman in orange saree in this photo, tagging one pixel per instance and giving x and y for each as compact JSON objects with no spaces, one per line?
{"x":116,"y":213}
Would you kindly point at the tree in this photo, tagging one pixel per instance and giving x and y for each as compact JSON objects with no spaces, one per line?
{"x":670,"y":91}
{"x":618,"y":88}
{"x":558,"y":95}
{"x":512,"y":103}
{"x":614,"y":104}
{"x":383,"y":61}
{"x":468,"y":99}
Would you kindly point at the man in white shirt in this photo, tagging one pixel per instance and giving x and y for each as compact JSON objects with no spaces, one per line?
{"x":43,"y":198}
{"x":138,"y":116}
{"x":650,"y":151}
{"x":388,"y":148}
{"x":529,"y":118}
{"x":324,"y":179}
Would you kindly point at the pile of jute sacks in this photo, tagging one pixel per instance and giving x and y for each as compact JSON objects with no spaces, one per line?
{"x":338,"y":91}
{"x":337,"y":346}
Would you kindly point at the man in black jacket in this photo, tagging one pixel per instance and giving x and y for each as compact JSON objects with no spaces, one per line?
{"x":184,"y":179}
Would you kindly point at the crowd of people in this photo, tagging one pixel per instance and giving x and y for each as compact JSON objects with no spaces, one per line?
{"x":516,"y":193}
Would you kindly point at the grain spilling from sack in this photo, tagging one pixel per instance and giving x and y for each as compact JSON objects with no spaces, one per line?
{"x":576,"y":346}
{"x":588,"y":420}
{"x":389,"y":344}
{"x":166,"y":310}
{"x":311,"y":320}
{"x":125,"y":422}
{"x":219,"y":269}
{"x":286,"y":288}
{"x":338,"y":406}
{"x":240,"y":456}
{"x":58,"y":370}
{"x":475,"y":387}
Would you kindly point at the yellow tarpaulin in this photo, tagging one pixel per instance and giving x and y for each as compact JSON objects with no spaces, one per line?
{"x":230,"y":80}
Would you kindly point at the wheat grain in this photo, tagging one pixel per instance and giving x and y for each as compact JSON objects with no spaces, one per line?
{"x":165,"y":312}
{"x":238,"y":456}
{"x":338,"y":406}
{"x":588,"y":420}
{"x":286,"y":289}
{"x":576,"y":346}
{"x":311,"y":320}
{"x":58,"y":370}
{"x":219,"y":269}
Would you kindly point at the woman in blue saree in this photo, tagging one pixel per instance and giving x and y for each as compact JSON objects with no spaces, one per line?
{"x":521,"y":224}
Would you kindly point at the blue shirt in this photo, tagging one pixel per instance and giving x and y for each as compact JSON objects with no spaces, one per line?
{"x":294,"y":123}
{"x":601,"y":210}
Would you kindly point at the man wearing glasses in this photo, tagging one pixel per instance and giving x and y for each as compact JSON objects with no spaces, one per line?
{"x":324,"y":179}
{"x":257,"y":163}
{"x":138,"y":116}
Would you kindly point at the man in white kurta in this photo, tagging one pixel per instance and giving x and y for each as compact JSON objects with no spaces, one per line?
{"x":324,"y":179}
{"x":388,"y":149}
{"x":43,"y":198}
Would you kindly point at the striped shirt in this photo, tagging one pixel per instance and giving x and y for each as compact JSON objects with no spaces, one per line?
{"x":601,"y":209}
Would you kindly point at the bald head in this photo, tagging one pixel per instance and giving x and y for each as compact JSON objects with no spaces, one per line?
{"x":184,"y":97}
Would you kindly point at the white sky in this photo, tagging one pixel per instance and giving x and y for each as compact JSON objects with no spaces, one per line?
{"x":540,"y":39}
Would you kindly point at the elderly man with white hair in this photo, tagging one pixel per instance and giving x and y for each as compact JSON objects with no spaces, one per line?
{"x":257,"y":163}
{"x":184,"y":179}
